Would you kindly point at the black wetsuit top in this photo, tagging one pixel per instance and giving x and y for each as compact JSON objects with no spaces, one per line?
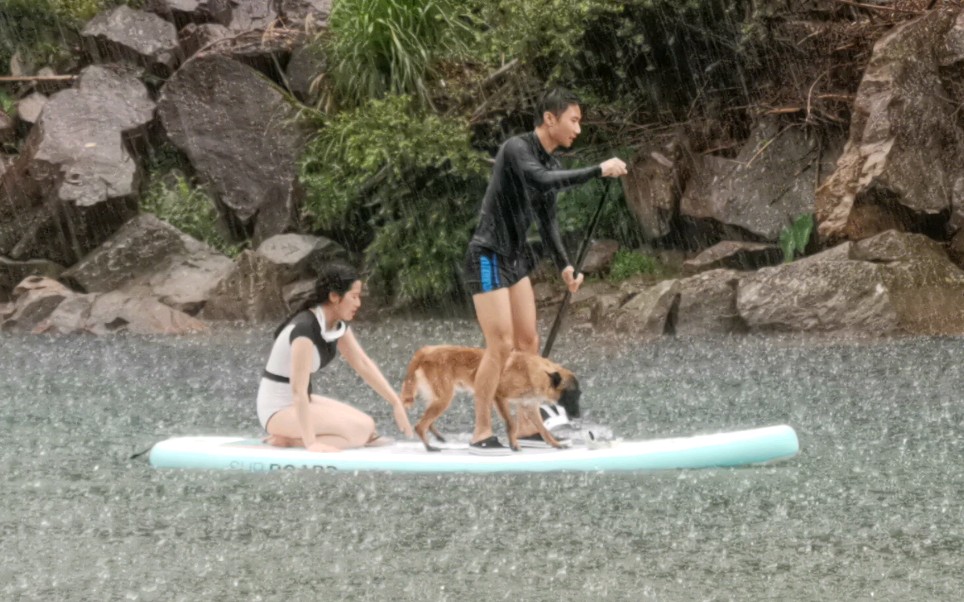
{"x":525,"y":180}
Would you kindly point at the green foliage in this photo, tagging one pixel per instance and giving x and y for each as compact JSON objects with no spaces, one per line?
{"x":547,"y":32}
{"x":43,"y":31}
{"x":794,"y":238}
{"x":630,"y":263}
{"x":663,"y":58}
{"x":172,"y":198}
{"x":7,"y":104}
{"x":577,"y":206}
{"x":402,"y":185}
{"x":381,"y":47}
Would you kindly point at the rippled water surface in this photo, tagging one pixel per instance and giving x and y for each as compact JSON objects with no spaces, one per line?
{"x":872,"y":508}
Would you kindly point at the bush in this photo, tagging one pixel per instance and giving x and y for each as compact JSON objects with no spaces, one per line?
{"x":172,"y":198}
{"x":794,"y":238}
{"x":630,"y":263}
{"x":402,"y":185}
{"x":381,"y":47}
{"x":577,"y":206}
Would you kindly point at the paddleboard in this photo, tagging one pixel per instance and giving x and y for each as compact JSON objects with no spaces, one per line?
{"x":735,"y":448}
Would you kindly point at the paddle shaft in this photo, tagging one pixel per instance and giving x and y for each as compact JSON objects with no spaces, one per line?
{"x":580,"y":257}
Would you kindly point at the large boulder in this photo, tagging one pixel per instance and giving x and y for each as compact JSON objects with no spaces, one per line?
{"x":195,"y":38}
{"x":149,"y":258}
{"x":301,"y":255}
{"x":306,"y":64}
{"x":249,"y":15}
{"x":133,"y":35}
{"x":770,"y":182}
{"x":905,"y":154}
{"x":253,"y":292}
{"x":647,"y":311}
{"x":707,"y":305}
{"x":13,"y":272}
{"x":653,"y":187}
{"x":306,"y":15}
{"x":33,"y":300}
{"x":735,"y":255}
{"x":239,"y":132}
{"x":186,"y":12}
{"x":599,"y":256}
{"x":29,"y":107}
{"x":45,"y":305}
{"x":892,"y":283}
{"x":75,"y":182}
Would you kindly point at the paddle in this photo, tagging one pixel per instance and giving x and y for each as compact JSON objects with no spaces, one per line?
{"x":580,"y":257}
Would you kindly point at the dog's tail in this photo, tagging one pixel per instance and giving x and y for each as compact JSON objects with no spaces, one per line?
{"x":410,"y":385}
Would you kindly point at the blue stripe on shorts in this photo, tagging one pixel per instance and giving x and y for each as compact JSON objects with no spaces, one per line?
{"x":485,"y":273}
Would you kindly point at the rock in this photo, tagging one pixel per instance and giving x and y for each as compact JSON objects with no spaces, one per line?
{"x":134,"y":250}
{"x":253,"y":292}
{"x":187,"y":12}
{"x":239,"y":133}
{"x":8,"y":129}
{"x":306,"y":64}
{"x":301,"y":255}
{"x":75,"y":182}
{"x":647,"y":313}
{"x":6,"y":161}
{"x":141,"y":37}
{"x":734,"y":255}
{"x":707,"y":305}
{"x":150,"y":258}
{"x":30,"y":107}
{"x":604,"y":305}
{"x":13,"y":272}
{"x":769,"y":184}
{"x":45,"y":305}
{"x":193,"y":37}
{"x":249,"y":15}
{"x":116,"y":311}
{"x":33,"y":300}
{"x":600,"y":256}
{"x":892,"y":283}
{"x":583,"y":303}
{"x":296,"y":293}
{"x":903,"y":151}
{"x":309,"y":16}
{"x":71,"y":316}
{"x":653,"y":187}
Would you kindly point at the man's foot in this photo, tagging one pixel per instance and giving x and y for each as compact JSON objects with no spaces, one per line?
{"x":489,"y":447}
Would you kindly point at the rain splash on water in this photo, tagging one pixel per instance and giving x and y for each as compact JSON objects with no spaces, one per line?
{"x":871,"y":508}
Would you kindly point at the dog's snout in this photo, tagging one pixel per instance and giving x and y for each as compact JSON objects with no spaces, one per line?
{"x":570,"y":401}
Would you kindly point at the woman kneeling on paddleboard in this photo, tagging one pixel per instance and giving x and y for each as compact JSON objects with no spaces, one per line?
{"x":306,"y":342}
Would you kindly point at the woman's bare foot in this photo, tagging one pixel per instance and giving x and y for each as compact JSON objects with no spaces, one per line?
{"x":282,"y":441}
{"x":377,"y":440}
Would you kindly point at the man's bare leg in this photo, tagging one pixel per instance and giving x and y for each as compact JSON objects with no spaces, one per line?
{"x":522,"y":299}
{"x":494,"y":312}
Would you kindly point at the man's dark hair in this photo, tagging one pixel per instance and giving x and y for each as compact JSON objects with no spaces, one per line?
{"x":556,"y":101}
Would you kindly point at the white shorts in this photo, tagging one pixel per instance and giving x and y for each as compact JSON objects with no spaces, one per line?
{"x":272,"y":396}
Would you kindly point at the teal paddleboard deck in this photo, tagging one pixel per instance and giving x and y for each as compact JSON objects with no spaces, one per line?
{"x":736,"y":448}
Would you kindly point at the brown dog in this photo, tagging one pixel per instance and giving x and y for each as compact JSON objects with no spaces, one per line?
{"x":527,"y":381}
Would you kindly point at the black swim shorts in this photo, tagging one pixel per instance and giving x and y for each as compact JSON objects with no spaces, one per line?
{"x":486,"y":271}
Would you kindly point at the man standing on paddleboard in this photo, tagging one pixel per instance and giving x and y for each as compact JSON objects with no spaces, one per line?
{"x":525,"y":180}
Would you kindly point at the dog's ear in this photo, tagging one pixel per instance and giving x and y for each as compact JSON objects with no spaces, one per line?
{"x":555,"y":378}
